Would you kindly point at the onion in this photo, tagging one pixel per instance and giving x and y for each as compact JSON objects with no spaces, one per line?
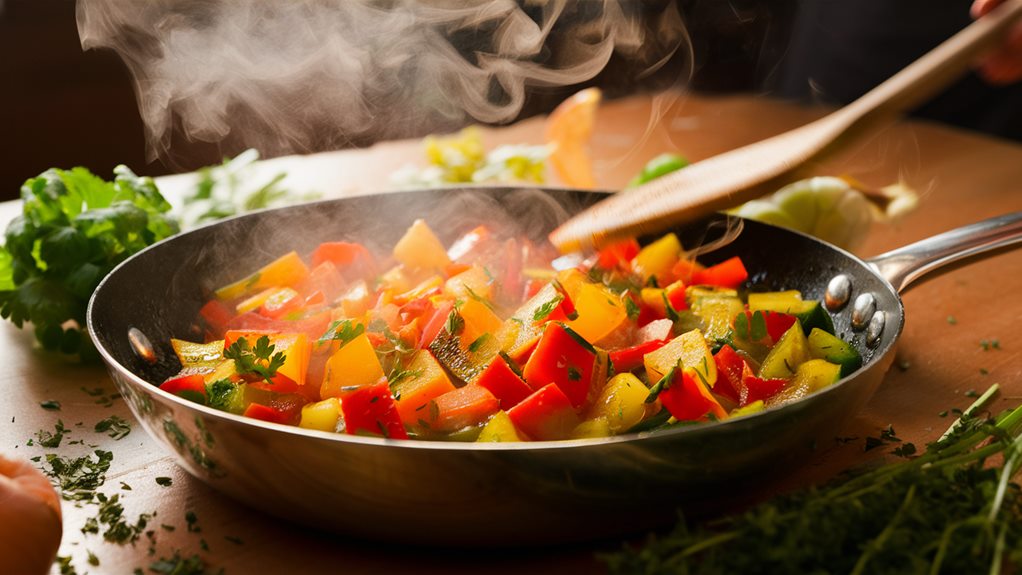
{"x":30,"y":521}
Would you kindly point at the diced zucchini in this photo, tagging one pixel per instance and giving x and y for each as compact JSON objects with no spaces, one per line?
{"x":826,"y":346}
{"x":691,"y":349}
{"x":791,"y":351}
{"x":810,"y":313}
{"x":717,"y":313}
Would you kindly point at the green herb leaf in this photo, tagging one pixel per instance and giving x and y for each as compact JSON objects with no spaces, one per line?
{"x":115,"y":426}
{"x":343,"y":331}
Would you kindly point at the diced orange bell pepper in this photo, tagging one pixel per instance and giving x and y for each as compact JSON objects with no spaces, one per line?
{"x":324,"y":278}
{"x":216,"y":315}
{"x":562,"y":357}
{"x":428,"y":381}
{"x":545,"y":415}
{"x":353,"y":260}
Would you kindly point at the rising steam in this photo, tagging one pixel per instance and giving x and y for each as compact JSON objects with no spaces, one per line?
{"x":306,"y":75}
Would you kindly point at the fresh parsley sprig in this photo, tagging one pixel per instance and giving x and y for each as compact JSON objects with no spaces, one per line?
{"x":259,"y":360}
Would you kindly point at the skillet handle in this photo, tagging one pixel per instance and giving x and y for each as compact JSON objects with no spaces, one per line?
{"x":904,"y":265}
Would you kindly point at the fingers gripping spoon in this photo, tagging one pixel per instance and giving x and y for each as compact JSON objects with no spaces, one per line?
{"x":754,"y":170}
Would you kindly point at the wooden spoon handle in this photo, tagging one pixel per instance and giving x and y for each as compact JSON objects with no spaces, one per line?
{"x":754,"y":170}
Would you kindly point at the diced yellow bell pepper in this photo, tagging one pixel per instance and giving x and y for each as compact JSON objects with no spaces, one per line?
{"x":198,"y":354}
{"x":658,"y":258}
{"x":254,"y":301}
{"x":781,"y":301}
{"x":295,"y":346}
{"x":622,"y":403}
{"x":396,"y":280}
{"x":421,"y":289}
{"x":600,"y":312}
{"x":469,"y":284}
{"x":322,"y":415}
{"x":691,"y":349}
{"x":287,"y":270}
{"x":420,"y":248}
{"x":591,"y":428}
{"x":754,"y":407}
{"x":498,"y":430}
{"x":354,"y":365}
{"x":521,"y":332}
{"x":224,"y":370}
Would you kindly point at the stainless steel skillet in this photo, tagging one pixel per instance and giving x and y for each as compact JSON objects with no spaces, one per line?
{"x":495,"y":494}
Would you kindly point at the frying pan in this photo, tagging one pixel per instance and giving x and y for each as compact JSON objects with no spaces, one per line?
{"x":446,"y":493}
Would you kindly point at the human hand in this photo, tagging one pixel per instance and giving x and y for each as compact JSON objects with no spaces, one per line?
{"x":1004,"y":64}
{"x":30,"y":523}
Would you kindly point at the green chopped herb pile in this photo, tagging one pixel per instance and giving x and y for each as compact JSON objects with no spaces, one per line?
{"x":953,"y":509}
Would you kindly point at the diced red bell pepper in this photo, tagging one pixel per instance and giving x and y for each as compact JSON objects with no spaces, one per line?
{"x":353,"y":260}
{"x":565,"y":311}
{"x":618,"y":256}
{"x":675,"y":294}
{"x":312,"y":326}
{"x":562,"y":357}
{"x":464,"y":407}
{"x":630,"y":358}
{"x":729,"y":273}
{"x":545,"y":415}
{"x":730,"y":367}
{"x":776,"y":324}
{"x":217,"y":315}
{"x":371,"y":410}
{"x":266,"y":413}
{"x":687,"y":399}
{"x":755,"y":388}
{"x":504,"y":383}
{"x":686,"y":269}
{"x":191,"y":387}
{"x":467,"y":243}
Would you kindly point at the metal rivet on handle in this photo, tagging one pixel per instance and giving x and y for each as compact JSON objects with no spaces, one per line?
{"x":141,"y":345}
{"x":838,"y":291}
{"x":862,"y":310}
{"x":875,"y":328}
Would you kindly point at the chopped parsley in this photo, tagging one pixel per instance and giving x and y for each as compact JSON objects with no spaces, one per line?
{"x":544,"y":311}
{"x":115,"y":426}
{"x":51,"y":405}
{"x":164,"y":481}
{"x":52,"y":439}
{"x":79,"y":477}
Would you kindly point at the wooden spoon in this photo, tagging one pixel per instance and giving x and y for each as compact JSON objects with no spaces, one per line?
{"x":752,"y":171}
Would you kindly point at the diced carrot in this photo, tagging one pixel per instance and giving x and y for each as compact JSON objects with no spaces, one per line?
{"x":464,"y":407}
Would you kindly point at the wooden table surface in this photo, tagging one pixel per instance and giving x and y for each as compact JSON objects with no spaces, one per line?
{"x":962,"y":177}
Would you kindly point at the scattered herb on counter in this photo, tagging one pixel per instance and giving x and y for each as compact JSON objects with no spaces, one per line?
{"x":179,"y":565}
{"x":164,"y":481}
{"x":115,"y":426}
{"x":987,"y":345}
{"x":78,"y":477}
{"x":952,"y":320}
{"x":50,"y":405}
{"x":52,"y":439}
{"x":234,"y":539}
{"x":950,"y":510}
{"x":66,"y":568}
{"x":73,"y":229}
{"x":193,"y":522}
{"x":93,"y":560}
{"x":125,"y":486}
{"x":983,"y":371}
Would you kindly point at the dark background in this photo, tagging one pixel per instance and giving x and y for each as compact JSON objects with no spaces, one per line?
{"x":60,"y":106}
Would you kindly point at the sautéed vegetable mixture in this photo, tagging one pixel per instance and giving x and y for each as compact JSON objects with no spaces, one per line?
{"x":485,"y":341}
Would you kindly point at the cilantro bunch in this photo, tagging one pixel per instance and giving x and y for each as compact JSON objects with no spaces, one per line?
{"x":74,"y":229}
